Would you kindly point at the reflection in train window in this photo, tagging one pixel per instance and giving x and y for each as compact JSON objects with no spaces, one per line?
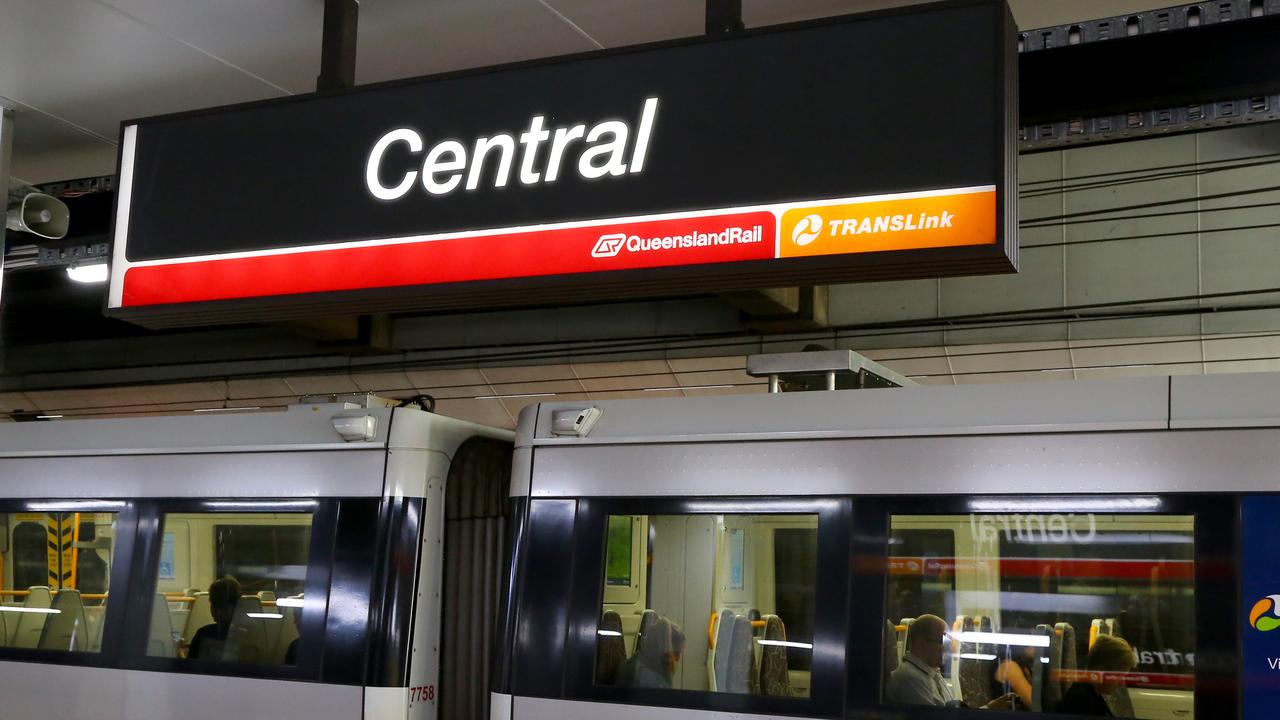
{"x":728,"y":603}
{"x":229,"y":587}
{"x":53,"y":593}
{"x":1071,"y":613}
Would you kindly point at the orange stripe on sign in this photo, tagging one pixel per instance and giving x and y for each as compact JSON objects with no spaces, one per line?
{"x":879,"y":226}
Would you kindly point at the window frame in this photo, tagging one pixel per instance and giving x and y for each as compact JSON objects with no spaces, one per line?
{"x":831,"y":614}
{"x":113,"y":619}
{"x":1216,"y":584}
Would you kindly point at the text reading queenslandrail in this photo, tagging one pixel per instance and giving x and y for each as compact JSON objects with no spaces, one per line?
{"x":611,"y":245}
{"x":605,"y":149}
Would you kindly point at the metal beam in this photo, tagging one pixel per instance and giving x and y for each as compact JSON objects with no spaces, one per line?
{"x":6,"y":156}
{"x":338,"y":51}
{"x":724,"y":16}
{"x":1179,"y":69}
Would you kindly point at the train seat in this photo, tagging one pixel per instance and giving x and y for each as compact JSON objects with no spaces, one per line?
{"x":974,"y":673}
{"x":31,"y":625}
{"x":160,"y":638}
{"x":1052,"y":682}
{"x":274,"y":626}
{"x":775,"y":676}
{"x":66,"y":629}
{"x":741,"y":676}
{"x":724,"y":642}
{"x":889,"y":652}
{"x":647,"y":619}
{"x":4,"y":629}
{"x":97,"y":617}
{"x":288,"y":632}
{"x":247,"y":637}
{"x":611,"y":649}
{"x":198,"y":617}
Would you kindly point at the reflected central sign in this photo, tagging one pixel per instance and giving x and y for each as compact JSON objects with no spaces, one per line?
{"x":790,"y":155}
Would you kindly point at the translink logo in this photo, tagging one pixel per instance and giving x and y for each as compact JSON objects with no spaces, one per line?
{"x":807,"y":230}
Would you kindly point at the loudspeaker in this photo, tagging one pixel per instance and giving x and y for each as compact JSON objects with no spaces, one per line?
{"x":39,"y":214}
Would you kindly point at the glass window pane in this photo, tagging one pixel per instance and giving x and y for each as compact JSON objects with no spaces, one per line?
{"x":727,"y":604}
{"x":229,"y":587}
{"x":55,"y":583}
{"x":1077,"y":613}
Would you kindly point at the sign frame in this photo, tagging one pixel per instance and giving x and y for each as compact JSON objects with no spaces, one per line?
{"x":634,"y":283}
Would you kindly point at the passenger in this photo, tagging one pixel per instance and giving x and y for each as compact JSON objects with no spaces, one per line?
{"x":1015,"y":674}
{"x":1109,"y":654}
{"x":918,"y":680}
{"x":209,"y":640}
{"x":656,"y":658}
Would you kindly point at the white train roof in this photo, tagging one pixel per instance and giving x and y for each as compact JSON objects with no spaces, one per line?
{"x":1152,"y":403}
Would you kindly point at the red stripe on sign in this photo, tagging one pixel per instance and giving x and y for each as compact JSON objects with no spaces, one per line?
{"x":616,"y":246}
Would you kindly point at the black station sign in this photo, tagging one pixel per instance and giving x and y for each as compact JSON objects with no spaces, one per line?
{"x":866,"y":147}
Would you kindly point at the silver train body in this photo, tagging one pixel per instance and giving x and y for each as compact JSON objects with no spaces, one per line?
{"x":332,"y":518}
{"x":1032,"y":518}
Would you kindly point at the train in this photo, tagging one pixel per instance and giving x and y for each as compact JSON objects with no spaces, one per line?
{"x":806,"y":554}
{"x":793,"y":554}
{"x":252,"y":564}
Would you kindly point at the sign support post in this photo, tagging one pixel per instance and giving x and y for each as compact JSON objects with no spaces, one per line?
{"x":724,"y":17}
{"x":6,"y":157}
{"x":338,"y":49}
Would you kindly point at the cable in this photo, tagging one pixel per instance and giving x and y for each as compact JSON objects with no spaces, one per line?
{"x":1094,"y":241}
{"x":1154,"y":177}
{"x":1116,"y":173}
{"x":1143,"y":206}
{"x":1144,"y":216}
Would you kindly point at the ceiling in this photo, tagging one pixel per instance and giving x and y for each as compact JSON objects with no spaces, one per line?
{"x":74,"y":69}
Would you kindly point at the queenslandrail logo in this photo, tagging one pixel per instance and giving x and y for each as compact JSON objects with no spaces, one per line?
{"x":614,"y":243}
{"x":1264,"y":617}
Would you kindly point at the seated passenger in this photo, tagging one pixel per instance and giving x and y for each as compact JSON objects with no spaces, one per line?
{"x":1109,"y":654}
{"x":209,"y":640}
{"x":656,"y":658}
{"x":918,"y":680}
{"x":1015,"y":675}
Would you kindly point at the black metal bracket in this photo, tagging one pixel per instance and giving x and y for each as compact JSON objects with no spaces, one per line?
{"x":1186,"y":68}
{"x":724,"y":16}
{"x":338,"y":49}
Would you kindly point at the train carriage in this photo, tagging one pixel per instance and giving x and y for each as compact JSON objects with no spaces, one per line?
{"x":250,"y":564}
{"x":768,"y":555}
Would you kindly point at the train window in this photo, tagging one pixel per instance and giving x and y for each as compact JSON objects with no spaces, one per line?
{"x":54,"y":585}
{"x":229,"y":587}
{"x":1074,"y":613}
{"x":728,"y":607}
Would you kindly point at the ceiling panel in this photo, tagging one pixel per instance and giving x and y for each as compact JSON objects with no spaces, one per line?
{"x":484,"y":412}
{"x":322,"y":385}
{"x":89,"y":64}
{"x":45,"y":148}
{"x":615,"y":23}
{"x":405,"y":38}
{"x":278,"y":41}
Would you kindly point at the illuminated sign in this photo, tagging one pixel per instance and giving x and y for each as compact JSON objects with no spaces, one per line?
{"x":790,"y":155}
